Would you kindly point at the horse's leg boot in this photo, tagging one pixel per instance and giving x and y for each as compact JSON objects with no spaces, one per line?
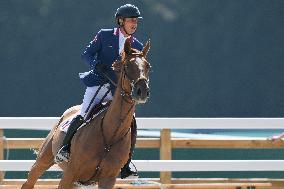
{"x":126,"y":171}
{"x":63,"y":153}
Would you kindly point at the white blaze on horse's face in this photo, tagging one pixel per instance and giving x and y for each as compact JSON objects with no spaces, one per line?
{"x":139,"y":62}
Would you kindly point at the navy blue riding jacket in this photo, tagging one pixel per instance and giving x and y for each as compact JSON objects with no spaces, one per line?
{"x":103,"y":49}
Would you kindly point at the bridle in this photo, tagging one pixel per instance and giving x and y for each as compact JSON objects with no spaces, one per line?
{"x":127,"y":96}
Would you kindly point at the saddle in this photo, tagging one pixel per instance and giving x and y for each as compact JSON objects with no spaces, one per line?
{"x":93,"y":113}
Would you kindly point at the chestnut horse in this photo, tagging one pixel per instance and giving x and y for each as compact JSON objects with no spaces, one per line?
{"x":101,"y":147}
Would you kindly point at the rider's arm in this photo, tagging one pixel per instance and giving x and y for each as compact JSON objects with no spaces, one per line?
{"x":90,"y":53}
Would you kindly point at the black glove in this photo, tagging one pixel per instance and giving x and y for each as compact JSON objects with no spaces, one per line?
{"x":101,"y":67}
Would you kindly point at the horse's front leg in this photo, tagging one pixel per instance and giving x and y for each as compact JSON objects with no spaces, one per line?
{"x":107,"y":183}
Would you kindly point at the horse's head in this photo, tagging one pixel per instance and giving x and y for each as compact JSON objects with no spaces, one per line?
{"x":134,"y":70}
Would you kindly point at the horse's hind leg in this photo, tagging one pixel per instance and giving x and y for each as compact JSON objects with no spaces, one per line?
{"x":43,"y":162}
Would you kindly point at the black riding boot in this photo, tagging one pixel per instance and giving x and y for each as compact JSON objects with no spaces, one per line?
{"x":126,"y":171}
{"x":63,"y":153}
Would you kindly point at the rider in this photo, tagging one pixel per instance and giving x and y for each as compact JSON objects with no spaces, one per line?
{"x":100,"y":54}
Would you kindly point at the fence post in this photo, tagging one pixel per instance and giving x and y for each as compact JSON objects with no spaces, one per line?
{"x":165,"y":154}
{"x":1,"y":153}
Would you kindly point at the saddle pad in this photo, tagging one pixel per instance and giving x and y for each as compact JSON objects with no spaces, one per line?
{"x":65,"y":125}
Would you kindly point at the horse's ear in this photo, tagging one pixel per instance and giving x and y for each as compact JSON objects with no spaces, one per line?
{"x":127,"y":46}
{"x":146,"y":49}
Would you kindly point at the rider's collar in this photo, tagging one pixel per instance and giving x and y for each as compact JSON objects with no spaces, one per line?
{"x":116,"y":31}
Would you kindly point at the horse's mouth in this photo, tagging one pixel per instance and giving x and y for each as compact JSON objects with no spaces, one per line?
{"x":141,"y":101}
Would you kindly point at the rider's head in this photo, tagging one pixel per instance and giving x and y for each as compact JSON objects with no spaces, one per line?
{"x":127,"y":18}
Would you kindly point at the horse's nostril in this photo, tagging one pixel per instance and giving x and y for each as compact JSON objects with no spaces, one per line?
{"x":139,"y":92}
{"x":148,"y":93}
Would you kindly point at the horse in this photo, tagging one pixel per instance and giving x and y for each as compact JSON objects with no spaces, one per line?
{"x":100,"y":148}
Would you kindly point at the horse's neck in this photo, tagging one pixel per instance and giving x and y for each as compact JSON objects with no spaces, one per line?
{"x":119,"y":113}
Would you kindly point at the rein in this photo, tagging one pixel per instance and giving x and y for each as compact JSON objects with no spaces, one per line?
{"x":123,"y":91}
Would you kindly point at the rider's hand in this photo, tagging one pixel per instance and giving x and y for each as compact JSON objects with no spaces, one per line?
{"x":117,"y":65}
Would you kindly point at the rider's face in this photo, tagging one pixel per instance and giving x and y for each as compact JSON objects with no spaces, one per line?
{"x":130,"y":25}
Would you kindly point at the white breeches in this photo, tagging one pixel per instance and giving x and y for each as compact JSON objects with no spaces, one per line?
{"x":89,"y":94}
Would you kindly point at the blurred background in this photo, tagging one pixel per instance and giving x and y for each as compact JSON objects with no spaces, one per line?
{"x":221,"y":58}
{"x":210,"y":58}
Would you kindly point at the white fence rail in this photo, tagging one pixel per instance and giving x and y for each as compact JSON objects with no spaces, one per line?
{"x":46,"y":123}
{"x":172,"y":165}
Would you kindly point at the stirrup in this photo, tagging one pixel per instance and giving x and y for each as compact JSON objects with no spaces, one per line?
{"x":127,"y":173}
{"x":62,"y":155}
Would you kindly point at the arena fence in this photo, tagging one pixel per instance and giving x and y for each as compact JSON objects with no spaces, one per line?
{"x":165,"y":143}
